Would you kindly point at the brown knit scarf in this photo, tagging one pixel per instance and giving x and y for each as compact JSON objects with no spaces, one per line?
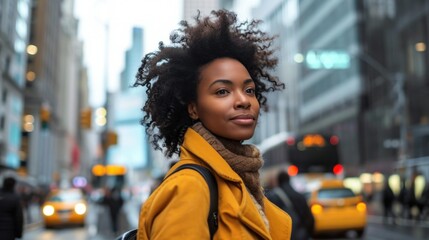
{"x":244,"y":159}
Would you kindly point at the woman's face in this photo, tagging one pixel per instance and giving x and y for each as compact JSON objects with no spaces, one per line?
{"x":226,"y":102}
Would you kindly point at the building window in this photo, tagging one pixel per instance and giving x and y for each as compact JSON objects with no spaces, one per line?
{"x":4,"y":96}
{"x":7,"y":66}
{"x":2,"y":122}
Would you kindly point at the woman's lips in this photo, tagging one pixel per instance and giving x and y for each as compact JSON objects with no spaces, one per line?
{"x":243,"y":119}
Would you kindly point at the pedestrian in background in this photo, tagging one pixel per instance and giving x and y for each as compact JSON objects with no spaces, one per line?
{"x":26,"y":196}
{"x":295,"y":204}
{"x":388,"y":199}
{"x":11,"y":213}
{"x":424,"y":201}
{"x":114,"y":201}
{"x":410,"y":200}
{"x":204,"y":93}
{"x":401,"y":197}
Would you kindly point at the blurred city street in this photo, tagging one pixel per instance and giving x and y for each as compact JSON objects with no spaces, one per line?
{"x":354,"y":109}
{"x":97,"y":226}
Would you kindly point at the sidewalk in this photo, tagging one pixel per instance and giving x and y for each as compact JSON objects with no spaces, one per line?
{"x":132,"y":210}
{"x":375,"y":215}
{"x":32,"y":217}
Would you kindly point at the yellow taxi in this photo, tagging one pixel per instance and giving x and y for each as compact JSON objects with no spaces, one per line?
{"x":64,"y":207}
{"x":337,"y":209}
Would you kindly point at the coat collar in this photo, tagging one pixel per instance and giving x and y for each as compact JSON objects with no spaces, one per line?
{"x":195,"y":144}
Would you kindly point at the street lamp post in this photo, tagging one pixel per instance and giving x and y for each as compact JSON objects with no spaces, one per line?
{"x":399,"y":108}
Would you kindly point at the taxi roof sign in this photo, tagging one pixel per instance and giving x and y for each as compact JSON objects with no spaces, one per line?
{"x":110,"y":170}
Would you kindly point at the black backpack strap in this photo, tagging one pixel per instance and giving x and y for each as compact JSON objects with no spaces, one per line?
{"x":129,"y":235}
{"x":211,"y":182}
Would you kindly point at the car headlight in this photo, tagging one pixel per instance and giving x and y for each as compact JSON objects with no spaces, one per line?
{"x":80,"y":208}
{"x":48,"y":210}
{"x":316,"y":209}
{"x":361,"y":207}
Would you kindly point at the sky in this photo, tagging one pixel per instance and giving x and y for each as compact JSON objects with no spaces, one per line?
{"x":115,"y":19}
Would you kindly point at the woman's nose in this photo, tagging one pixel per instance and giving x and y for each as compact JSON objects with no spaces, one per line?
{"x":242,"y":101}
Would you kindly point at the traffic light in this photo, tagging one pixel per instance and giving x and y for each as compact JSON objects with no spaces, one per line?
{"x":45,"y":116}
{"x":86,"y":118}
{"x":101,"y":116}
{"x":111,"y":138}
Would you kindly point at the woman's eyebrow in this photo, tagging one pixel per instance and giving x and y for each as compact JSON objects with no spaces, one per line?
{"x":224,"y":81}
{"x":247,"y":81}
{"x":229,"y":82}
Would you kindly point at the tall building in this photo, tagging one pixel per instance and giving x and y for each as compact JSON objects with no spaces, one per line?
{"x":68,"y":109}
{"x":87,"y":139}
{"x":360,"y":76}
{"x":396,"y":86}
{"x":50,"y":145}
{"x":411,"y":29}
{"x":279,"y":19}
{"x":39,"y":141}
{"x":132,"y":149}
{"x":331,"y":83}
{"x":14,"y":34}
{"x":133,"y":57}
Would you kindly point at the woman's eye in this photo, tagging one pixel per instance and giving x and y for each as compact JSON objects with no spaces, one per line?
{"x":222,"y":92}
{"x":250,"y":91}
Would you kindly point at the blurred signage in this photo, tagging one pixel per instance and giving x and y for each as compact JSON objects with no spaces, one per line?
{"x":114,"y":170}
{"x":111,"y":170}
{"x":313,"y":140}
{"x":327,"y":59}
{"x":98,"y":170}
{"x":391,"y":143}
{"x":79,"y":181}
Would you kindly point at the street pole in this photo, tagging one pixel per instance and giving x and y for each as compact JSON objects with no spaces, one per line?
{"x":399,"y":108}
{"x":106,"y":83}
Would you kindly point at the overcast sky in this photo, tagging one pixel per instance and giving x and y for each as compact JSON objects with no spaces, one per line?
{"x":115,"y":19}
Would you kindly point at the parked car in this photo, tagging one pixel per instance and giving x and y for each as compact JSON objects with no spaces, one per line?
{"x":337,"y":209}
{"x":64,"y":207}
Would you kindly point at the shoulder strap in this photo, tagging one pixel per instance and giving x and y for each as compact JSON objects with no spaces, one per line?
{"x":282,"y":195}
{"x":211,"y":182}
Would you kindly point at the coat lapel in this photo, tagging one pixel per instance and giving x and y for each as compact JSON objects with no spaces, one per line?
{"x":248,"y":213}
{"x":197,"y":145}
{"x":251,"y":217}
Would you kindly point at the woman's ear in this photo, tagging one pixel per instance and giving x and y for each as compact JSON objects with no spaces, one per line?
{"x":192,"y":111}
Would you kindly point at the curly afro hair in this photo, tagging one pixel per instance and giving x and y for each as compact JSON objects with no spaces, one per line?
{"x":171,"y":74}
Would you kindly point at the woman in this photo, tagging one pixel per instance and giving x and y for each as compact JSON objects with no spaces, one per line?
{"x":204,"y":95}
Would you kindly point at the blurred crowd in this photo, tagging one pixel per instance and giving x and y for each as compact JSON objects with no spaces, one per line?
{"x":30,"y":196}
{"x":411,"y":202}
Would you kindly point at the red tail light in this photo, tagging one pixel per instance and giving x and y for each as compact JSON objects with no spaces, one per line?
{"x":292,"y":170}
{"x":334,"y":140}
{"x":290,"y":141}
{"x":338,"y":169}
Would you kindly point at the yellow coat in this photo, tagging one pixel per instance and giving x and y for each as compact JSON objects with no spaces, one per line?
{"x":178,"y":209}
